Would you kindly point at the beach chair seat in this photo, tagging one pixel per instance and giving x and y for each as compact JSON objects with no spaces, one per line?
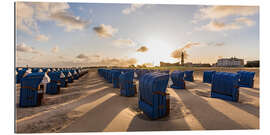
{"x":225,"y":86}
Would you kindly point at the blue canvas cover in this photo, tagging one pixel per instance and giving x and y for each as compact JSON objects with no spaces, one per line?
{"x":189,"y":76}
{"x":153,"y":99}
{"x":225,"y":86}
{"x":115,"y":78}
{"x":141,"y":72}
{"x":35,"y":70}
{"x":127,"y":88}
{"x":46,"y":70}
{"x":63,"y":81}
{"x":19,"y":75}
{"x":246,"y":79}
{"x":109,"y":76}
{"x":101,"y":72}
{"x":207,"y":76}
{"x":178,"y":80}
{"x":106,"y":75}
{"x":31,"y":91}
{"x":54,"y":86}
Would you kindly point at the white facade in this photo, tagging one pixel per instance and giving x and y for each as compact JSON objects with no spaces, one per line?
{"x":231,"y":62}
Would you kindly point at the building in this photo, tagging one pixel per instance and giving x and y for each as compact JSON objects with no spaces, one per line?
{"x":255,"y":63}
{"x":230,"y":62}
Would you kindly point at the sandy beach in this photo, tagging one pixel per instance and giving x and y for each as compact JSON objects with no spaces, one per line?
{"x":90,"y":104}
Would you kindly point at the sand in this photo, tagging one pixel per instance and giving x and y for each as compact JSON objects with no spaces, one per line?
{"x":90,"y":104}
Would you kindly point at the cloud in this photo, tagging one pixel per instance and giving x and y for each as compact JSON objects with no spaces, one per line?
{"x":124,"y":42}
{"x":41,"y":37}
{"x":61,"y":57}
{"x":82,"y":56}
{"x":27,"y":49}
{"x":245,"y":20}
{"x":44,"y":10}
{"x":218,"y":12}
{"x":105,"y":31}
{"x":55,"y":49}
{"x":189,"y":33}
{"x":178,"y":52}
{"x":96,"y":56}
{"x":29,"y":13}
{"x":24,"y":17}
{"x":238,"y":23}
{"x":132,"y":8}
{"x":220,"y":26}
{"x":69,"y":21}
{"x":218,"y":16}
{"x":142,"y":49}
{"x":216,"y":44}
{"x":189,"y":45}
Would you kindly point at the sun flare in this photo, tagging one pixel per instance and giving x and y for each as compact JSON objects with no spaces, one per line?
{"x":157,"y":51}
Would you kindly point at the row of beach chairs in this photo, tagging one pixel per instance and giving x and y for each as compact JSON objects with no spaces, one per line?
{"x":153,"y":98}
{"x":34,"y":81}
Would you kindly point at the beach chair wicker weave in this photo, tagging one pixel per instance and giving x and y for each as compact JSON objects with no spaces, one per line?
{"x":127,"y":87}
{"x":54,"y":86}
{"x":207,"y":76}
{"x":32,"y":89}
{"x":115,"y":78}
{"x":225,"y":86}
{"x":189,"y":76}
{"x":153,"y":99}
{"x":178,"y":80}
{"x":246,"y":79}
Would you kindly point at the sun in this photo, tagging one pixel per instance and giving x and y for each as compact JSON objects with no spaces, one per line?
{"x":157,"y":51}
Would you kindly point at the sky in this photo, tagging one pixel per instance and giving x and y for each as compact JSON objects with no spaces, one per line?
{"x":103,"y":34}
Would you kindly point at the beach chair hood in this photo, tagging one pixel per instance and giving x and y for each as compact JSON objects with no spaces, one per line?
{"x":62,"y":75}
{"x":46,"y":79}
{"x":27,"y":72}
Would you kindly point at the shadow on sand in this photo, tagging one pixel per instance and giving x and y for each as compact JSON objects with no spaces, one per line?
{"x":202,"y":110}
